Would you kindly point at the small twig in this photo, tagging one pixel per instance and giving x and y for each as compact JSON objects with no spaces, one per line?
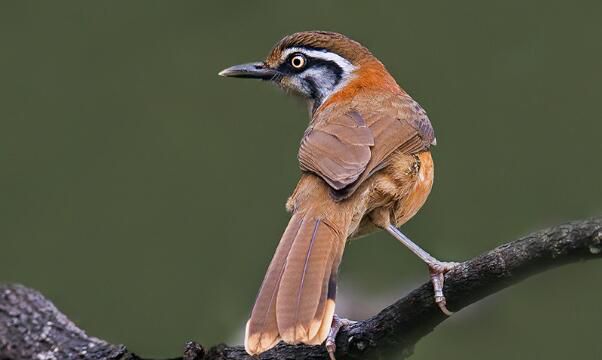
{"x":32,"y":328}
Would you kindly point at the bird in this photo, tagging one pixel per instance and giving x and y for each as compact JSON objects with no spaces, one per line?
{"x":366,"y":165}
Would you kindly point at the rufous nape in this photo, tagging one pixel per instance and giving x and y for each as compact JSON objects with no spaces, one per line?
{"x":366,"y":165}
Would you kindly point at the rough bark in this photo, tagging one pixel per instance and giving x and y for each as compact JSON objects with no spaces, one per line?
{"x":32,"y":328}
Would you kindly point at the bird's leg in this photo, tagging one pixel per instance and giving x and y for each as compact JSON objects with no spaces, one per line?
{"x":337,"y":324}
{"x":437,"y":268}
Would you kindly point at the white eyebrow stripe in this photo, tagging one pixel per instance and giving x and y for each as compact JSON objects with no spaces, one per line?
{"x":324,"y":55}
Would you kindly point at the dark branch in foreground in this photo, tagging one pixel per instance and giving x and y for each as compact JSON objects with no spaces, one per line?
{"x":32,"y":328}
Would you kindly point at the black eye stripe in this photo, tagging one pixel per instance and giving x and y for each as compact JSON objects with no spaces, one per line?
{"x":318,"y":77}
{"x":310,"y":62}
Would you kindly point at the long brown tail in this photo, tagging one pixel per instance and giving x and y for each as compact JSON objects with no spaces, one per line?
{"x":296,"y":300}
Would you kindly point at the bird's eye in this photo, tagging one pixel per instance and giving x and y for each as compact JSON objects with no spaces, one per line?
{"x":298,"y":61}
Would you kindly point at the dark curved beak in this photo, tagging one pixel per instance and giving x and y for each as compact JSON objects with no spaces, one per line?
{"x":256,"y":70}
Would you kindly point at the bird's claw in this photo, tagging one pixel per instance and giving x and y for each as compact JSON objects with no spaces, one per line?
{"x":330,"y":344}
{"x":331,"y":348}
{"x":437,"y":273}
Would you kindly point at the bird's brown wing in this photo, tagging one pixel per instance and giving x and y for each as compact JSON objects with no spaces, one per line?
{"x":347,"y":142}
{"x":336,"y":146}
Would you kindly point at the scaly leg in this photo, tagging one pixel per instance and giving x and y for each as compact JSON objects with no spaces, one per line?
{"x":437,"y":268}
{"x":337,"y":324}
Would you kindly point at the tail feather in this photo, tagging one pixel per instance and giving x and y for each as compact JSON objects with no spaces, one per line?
{"x":262,"y":328}
{"x":330,"y":295}
{"x":318,"y":317}
{"x":302,"y":282}
{"x":296,"y":300}
{"x":303,"y":273}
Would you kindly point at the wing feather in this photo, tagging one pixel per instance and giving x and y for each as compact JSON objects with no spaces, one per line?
{"x":344,"y":145}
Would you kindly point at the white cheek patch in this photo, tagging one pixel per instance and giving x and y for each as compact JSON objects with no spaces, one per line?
{"x":325,"y":81}
{"x":323,"y":78}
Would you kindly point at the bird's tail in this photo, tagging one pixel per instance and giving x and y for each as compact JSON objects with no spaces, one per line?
{"x":297,"y":298}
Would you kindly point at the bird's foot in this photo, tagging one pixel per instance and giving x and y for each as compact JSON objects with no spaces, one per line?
{"x":437,"y":270}
{"x":337,"y":324}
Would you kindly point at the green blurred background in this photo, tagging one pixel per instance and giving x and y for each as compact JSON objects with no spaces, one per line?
{"x":145,"y":195}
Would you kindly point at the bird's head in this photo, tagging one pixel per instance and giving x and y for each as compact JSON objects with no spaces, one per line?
{"x":313,"y":64}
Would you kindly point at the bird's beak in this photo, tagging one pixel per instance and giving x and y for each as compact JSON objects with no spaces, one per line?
{"x":256,"y":70}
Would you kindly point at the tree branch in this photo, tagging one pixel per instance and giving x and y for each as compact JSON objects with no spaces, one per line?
{"x":32,"y":328}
